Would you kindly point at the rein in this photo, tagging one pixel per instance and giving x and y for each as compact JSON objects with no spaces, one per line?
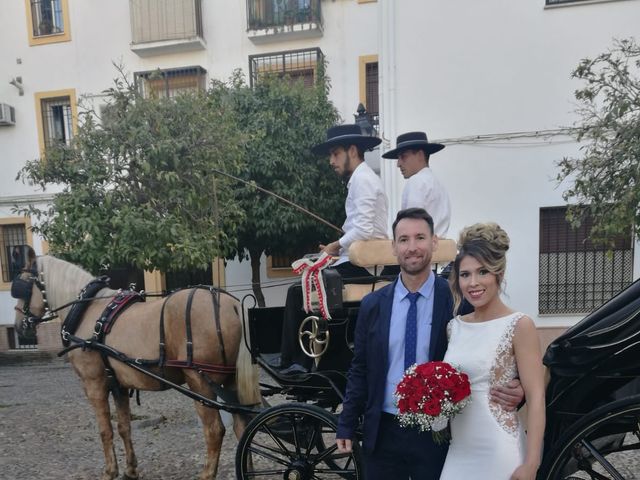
{"x":23,"y":289}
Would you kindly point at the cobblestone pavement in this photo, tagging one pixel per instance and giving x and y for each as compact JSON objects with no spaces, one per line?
{"x":48,"y":430}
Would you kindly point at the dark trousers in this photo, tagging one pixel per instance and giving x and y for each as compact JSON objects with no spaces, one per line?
{"x":403,"y":454}
{"x":294,"y":315}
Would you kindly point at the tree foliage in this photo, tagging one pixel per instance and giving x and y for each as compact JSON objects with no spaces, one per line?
{"x":137,"y":188}
{"x":607,"y":175}
{"x":282,"y":120}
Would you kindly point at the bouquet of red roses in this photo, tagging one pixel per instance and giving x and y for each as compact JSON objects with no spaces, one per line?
{"x":429,"y":395}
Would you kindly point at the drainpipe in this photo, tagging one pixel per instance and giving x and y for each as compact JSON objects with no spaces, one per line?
{"x":391,"y":179}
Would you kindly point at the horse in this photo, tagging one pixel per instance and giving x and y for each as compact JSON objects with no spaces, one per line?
{"x":137,"y":334}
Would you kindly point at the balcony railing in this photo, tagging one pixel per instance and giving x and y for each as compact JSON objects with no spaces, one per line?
{"x":283,"y":17}
{"x":296,"y":64}
{"x":161,"y":26}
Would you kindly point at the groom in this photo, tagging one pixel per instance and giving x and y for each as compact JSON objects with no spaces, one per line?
{"x":418,"y":304}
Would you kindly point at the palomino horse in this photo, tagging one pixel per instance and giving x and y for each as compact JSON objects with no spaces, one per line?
{"x":136,"y":334}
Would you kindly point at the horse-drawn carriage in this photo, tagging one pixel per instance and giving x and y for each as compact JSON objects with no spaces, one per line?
{"x":593,"y":401}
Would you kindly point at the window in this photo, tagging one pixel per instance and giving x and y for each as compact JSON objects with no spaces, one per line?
{"x":167,"y":26}
{"x":169,"y":83}
{"x":576,"y":276}
{"x":14,"y":232}
{"x":48,"y":21}
{"x":57,"y":114}
{"x":369,"y":87}
{"x":57,"y":121}
{"x":279,"y":264}
{"x":295,"y":64}
{"x":276,"y":13}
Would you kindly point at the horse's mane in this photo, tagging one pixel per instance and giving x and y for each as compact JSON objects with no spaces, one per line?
{"x":63,"y":280}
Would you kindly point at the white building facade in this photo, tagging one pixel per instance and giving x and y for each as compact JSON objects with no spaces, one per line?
{"x":456,"y":70}
{"x":492,"y":81}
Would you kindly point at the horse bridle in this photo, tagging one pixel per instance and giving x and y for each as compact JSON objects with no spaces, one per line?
{"x":23,"y":290}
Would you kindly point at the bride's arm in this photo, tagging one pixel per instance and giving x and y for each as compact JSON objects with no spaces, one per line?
{"x":529,"y":360}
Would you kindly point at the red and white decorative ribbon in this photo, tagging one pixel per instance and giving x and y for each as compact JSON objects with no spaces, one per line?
{"x":312,"y":281}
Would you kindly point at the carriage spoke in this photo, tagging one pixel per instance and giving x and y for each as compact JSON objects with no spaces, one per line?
{"x":296,"y":442}
{"x":264,"y":473}
{"x":601,"y":460}
{"x":312,"y":441}
{"x":275,"y":438}
{"x":328,"y":451}
{"x":268,"y":450}
{"x":266,"y":454}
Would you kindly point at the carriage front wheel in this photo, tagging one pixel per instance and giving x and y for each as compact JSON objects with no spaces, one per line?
{"x":603,"y":445}
{"x":294,"y":442}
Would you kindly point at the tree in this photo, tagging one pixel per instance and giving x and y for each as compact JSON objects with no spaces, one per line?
{"x":606,"y":178}
{"x":282,"y":120}
{"x":138,"y":187}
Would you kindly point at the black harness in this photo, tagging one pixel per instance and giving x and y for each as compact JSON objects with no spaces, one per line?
{"x":23,"y":289}
{"x":74,"y":317}
{"x":119,"y":303}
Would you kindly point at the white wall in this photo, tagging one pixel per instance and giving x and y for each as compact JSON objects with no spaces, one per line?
{"x":471,"y":68}
{"x":101,"y":35}
{"x":451,"y":68}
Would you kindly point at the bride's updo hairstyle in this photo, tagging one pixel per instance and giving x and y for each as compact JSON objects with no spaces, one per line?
{"x":488,"y":244}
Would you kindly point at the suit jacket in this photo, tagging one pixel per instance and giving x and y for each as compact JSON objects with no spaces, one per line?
{"x":368,"y":371}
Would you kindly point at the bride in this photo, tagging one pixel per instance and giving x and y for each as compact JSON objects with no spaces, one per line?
{"x":493,"y":345}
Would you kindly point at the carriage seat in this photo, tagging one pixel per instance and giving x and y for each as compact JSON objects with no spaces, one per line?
{"x":379,"y":253}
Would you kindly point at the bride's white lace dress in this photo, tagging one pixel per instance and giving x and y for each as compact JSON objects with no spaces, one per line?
{"x":488,"y":442}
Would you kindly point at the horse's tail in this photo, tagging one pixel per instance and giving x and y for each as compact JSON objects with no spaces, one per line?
{"x":247,"y":381}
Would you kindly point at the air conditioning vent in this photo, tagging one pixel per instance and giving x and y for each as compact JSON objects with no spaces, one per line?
{"x":7,"y":114}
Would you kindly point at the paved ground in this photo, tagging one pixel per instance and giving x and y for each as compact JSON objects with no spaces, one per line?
{"x":47,"y":430}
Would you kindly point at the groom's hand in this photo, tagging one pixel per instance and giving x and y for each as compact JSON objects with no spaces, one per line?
{"x":344,"y":445}
{"x":510,"y":395}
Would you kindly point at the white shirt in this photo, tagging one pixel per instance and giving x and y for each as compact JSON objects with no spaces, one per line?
{"x":397,"y":332}
{"x":423,"y":190}
{"x":366,"y":208}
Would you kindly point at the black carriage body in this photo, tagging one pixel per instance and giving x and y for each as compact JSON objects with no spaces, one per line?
{"x":326,"y":383}
{"x":593,"y":395}
{"x":594,"y":389}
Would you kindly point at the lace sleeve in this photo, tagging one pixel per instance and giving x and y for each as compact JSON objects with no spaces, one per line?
{"x":449,"y":326}
{"x":504,"y":370}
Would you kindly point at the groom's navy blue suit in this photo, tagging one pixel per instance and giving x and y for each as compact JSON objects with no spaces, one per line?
{"x":368,"y":372}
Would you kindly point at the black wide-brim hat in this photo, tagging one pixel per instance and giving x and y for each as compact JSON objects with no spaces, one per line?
{"x":343,"y":136}
{"x":413,"y":141}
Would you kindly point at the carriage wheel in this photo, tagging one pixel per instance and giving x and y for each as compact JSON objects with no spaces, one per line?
{"x":294,"y":442}
{"x":605,"y":444}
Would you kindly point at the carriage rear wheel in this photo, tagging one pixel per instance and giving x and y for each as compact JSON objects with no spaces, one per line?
{"x":294,"y":442}
{"x":605,"y":444}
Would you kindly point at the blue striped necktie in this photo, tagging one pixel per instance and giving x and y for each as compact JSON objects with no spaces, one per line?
{"x":411,"y":332}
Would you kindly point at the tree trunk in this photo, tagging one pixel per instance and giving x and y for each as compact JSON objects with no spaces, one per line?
{"x":255,"y":276}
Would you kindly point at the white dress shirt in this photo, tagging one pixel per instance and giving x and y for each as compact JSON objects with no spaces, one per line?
{"x":366,"y":208}
{"x":397,"y":331}
{"x":423,"y":190}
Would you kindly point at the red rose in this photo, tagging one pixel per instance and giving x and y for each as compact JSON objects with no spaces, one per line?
{"x":426,"y":369}
{"x":447,"y":382}
{"x":460,"y":392}
{"x":432,"y":408}
{"x":437,"y":394}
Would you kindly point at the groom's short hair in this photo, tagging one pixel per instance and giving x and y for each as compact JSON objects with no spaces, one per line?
{"x":415,"y":213}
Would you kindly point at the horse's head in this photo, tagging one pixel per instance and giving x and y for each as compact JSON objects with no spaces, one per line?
{"x":31,"y":308}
